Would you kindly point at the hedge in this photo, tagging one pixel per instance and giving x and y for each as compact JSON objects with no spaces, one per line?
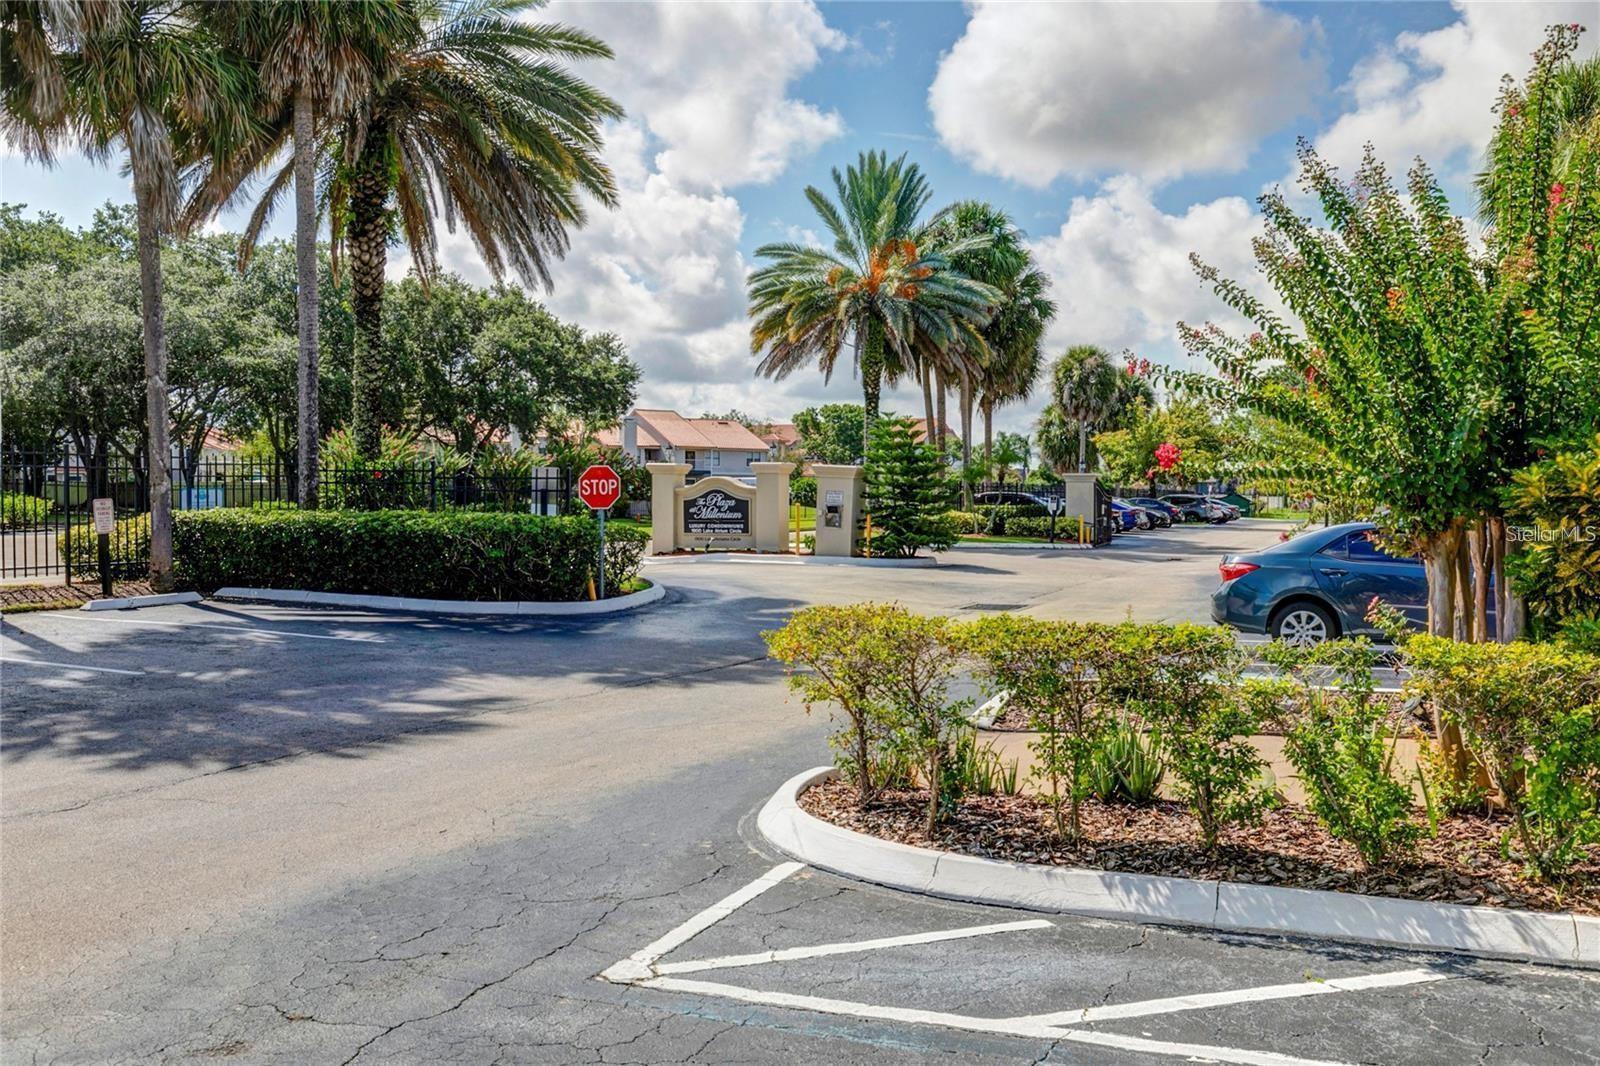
{"x":130,"y":549}
{"x":21,"y":511}
{"x":425,"y":554}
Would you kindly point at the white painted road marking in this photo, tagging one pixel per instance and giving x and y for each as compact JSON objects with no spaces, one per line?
{"x":71,"y":666}
{"x":643,"y":969}
{"x":846,"y":947}
{"x":639,"y":964}
{"x":1002,"y":1026}
{"x":239,"y":629}
{"x":1086,"y":1015}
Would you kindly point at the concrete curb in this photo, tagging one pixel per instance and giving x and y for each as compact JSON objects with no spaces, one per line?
{"x":520,"y":608}
{"x":128,"y":602}
{"x":780,"y":559}
{"x":1568,"y":939}
{"x":1042,"y":546}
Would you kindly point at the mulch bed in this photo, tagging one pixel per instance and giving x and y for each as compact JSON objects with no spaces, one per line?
{"x":1461,"y":865}
{"x":18,"y":598}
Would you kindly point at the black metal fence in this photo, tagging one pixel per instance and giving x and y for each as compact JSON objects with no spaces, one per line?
{"x":1103,"y":523}
{"x":46,"y":501}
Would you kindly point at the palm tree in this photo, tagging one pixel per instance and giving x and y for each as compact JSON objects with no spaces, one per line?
{"x":476,"y":120}
{"x":1088,"y":391}
{"x":314,"y":60}
{"x":876,"y":289}
{"x":146,"y":80}
{"x":1006,"y":365}
{"x":1576,"y":86}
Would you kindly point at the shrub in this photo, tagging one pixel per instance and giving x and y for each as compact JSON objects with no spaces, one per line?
{"x":837,"y":655}
{"x":966,"y":523}
{"x":908,"y":492}
{"x":20,"y":511}
{"x":999,"y":516}
{"x":1066,"y":527}
{"x":1557,"y":569}
{"x":1183,"y":681}
{"x":1528,"y":713}
{"x":914,"y":685}
{"x":130,"y":549}
{"x":1051,"y":672}
{"x":445,"y":555}
{"x":1125,"y":766}
{"x":1340,"y":746}
{"x":977,"y":770}
{"x":803,"y":490}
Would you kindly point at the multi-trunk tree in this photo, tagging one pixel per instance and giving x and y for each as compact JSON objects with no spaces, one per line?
{"x":1428,"y":367}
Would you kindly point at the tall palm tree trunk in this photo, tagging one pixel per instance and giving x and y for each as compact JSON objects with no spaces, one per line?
{"x":986,"y":405}
{"x":942,"y":392}
{"x":927,"y":402}
{"x":367,"y":238}
{"x":1083,"y":446}
{"x":305,"y":254}
{"x":159,"y":461}
{"x":871,"y":379}
{"x":966,"y":440}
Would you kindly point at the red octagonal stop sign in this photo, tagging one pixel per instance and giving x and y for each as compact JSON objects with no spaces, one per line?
{"x":599,"y":487}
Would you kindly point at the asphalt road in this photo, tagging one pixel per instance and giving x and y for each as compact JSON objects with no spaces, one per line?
{"x":268,"y":835}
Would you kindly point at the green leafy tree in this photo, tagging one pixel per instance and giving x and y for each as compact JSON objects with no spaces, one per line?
{"x":1429,"y":372}
{"x":832,"y":433}
{"x":1088,"y":392}
{"x":313,"y":63}
{"x":1554,"y":508}
{"x":908,"y":491}
{"x":880,"y":289}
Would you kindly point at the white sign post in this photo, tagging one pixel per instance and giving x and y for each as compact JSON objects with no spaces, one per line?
{"x":105,"y":520}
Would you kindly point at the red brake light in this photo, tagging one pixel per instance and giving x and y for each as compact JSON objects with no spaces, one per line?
{"x":1230,"y":571}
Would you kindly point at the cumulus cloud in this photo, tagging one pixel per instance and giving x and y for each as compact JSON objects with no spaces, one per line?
{"x":706,"y":88}
{"x":1431,"y":94}
{"x":1036,"y":91}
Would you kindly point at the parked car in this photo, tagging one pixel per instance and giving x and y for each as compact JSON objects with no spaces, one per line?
{"x":1318,"y":586}
{"x":1011,"y":498}
{"x":1158,"y":507}
{"x":1143,"y":516}
{"x":1196,"y":508}
{"x":1229,"y":510}
{"x":1126,"y":517}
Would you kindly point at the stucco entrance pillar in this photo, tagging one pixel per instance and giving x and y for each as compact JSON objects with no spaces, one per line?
{"x":664,"y":481}
{"x":772,"y":505}
{"x":841,"y":505}
{"x":1079,"y":492}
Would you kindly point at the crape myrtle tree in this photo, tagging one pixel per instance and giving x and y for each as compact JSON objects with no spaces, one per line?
{"x":1431,"y":371}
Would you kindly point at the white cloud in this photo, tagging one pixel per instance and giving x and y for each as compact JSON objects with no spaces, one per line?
{"x":1036,"y":91}
{"x":706,"y":88}
{"x":709,"y":82}
{"x":1431,"y":94}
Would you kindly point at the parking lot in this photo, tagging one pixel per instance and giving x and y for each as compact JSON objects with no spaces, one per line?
{"x":265,"y":834}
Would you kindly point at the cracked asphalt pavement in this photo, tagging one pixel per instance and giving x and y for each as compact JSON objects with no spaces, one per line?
{"x":260,"y":834}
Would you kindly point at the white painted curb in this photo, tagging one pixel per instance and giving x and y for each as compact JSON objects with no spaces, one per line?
{"x":522,"y":608}
{"x":1010,"y":546}
{"x":1568,"y":939}
{"x":126,"y":602}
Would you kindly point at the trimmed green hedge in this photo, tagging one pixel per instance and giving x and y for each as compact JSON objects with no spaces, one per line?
{"x":130,"y":549}
{"x":425,"y":554}
{"x":21,"y":511}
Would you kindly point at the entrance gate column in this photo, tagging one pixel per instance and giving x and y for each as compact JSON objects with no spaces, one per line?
{"x":772,"y":505}
{"x":841,"y":506}
{"x":664,"y":478}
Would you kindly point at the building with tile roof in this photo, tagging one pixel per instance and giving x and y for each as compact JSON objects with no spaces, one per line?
{"x":708,"y":445}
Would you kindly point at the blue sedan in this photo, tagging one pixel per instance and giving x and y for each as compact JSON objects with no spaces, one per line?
{"x":1318,"y":586}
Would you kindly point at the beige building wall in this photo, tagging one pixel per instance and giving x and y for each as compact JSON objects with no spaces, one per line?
{"x":841,"y":505}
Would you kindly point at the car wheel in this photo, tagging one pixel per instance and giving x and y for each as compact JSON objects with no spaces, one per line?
{"x":1303,"y":625}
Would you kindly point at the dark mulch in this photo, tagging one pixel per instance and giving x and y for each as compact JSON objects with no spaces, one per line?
{"x":19,"y":598}
{"x":1461,"y":865}
{"x":1404,"y":718}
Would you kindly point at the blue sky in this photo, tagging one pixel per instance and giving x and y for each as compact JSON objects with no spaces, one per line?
{"x":1120,"y":137}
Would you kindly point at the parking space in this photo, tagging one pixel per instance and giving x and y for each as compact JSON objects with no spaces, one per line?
{"x":795,"y":940}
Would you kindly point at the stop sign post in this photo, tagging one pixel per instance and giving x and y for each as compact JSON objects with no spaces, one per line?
{"x":599,"y":487}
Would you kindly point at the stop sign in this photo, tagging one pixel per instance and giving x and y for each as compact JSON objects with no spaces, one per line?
{"x":599,"y":487}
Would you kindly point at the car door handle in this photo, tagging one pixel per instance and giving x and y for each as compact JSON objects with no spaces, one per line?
{"x":1334,"y":571}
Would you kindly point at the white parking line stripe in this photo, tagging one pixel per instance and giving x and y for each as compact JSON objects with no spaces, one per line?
{"x":1003,"y":1026}
{"x":214,"y":625}
{"x":72,"y":666}
{"x":1144,"y":1008}
{"x":638,"y":965}
{"x":845,"y":947}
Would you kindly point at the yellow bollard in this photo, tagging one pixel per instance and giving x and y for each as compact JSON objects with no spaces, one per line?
{"x":869,"y":535}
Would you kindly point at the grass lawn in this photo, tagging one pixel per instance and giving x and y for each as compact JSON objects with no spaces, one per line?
{"x":808,"y":521}
{"x":972,"y":538}
{"x":1286,"y":514}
